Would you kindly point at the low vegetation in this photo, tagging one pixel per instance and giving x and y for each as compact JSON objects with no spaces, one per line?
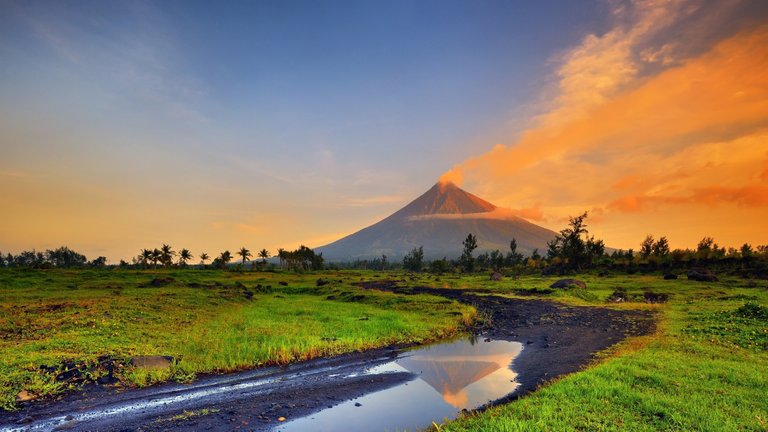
{"x":60,"y":329}
{"x":705,"y":368}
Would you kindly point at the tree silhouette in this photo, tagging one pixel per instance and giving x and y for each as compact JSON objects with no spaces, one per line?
{"x":204,"y":257}
{"x":414,"y":260}
{"x":467,"y":260}
{"x":146,"y":256}
{"x":184,"y":256}
{"x":225,"y":257}
{"x":156,"y":255}
{"x":166,"y":255}
{"x":263,"y":254}
{"x":646,"y":247}
{"x":245,"y":253}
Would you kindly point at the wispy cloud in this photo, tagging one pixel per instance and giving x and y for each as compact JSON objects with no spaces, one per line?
{"x":137,"y":59}
{"x":622,"y":137}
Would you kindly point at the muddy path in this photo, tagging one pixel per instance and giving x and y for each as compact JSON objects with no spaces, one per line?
{"x":557,"y":340}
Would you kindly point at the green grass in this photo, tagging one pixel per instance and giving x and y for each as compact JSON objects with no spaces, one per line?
{"x":47,"y":317}
{"x":705,"y":368}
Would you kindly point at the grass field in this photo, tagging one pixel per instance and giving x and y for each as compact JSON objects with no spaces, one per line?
{"x":705,"y":368}
{"x":211,"y":321}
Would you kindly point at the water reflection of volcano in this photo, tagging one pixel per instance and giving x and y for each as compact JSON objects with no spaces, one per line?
{"x":465,"y":373}
{"x":449,"y":377}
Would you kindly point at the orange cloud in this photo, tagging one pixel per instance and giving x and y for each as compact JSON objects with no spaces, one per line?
{"x":691,"y":135}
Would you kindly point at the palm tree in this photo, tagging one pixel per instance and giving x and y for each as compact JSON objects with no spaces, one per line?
{"x":146,"y":256}
{"x":156,"y":255}
{"x":245,"y":253}
{"x":225,"y":258}
{"x":204,"y":257}
{"x":166,"y":255}
{"x":184,"y":256}
{"x":263,"y":254}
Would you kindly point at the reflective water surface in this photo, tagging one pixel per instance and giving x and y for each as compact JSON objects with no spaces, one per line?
{"x":450,"y":377}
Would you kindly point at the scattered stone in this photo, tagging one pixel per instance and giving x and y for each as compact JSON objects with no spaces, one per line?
{"x":701,"y":275}
{"x":619,"y":296}
{"x":152,"y":362}
{"x":358,"y":404}
{"x":496,"y":276}
{"x":69,"y":417}
{"x":283,"y":283}
{"x":24,"y":396}
{"x":365,"y":318}
{"x":652,"y":297}
{"x":159,"y":282}
{"x":670,"y":276}
{"x":569,"y":283}
{"x":321,"y":282}
{"x":281,"y":419}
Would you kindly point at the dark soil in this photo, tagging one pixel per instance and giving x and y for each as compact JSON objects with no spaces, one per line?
{"x":558,"y":339}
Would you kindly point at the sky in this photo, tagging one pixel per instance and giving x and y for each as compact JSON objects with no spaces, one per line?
{"x":212,"y":126}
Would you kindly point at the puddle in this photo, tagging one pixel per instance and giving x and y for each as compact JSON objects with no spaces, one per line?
{"x":463,"y":374}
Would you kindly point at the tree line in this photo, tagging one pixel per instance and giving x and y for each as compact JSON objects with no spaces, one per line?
{"x":165,"y":256}
{"x":572,"y":250}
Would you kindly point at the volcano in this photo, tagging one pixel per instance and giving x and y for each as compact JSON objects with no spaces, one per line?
{"x":439,"y":220}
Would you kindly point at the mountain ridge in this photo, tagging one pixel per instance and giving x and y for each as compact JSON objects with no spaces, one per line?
{"x":439,"y":220}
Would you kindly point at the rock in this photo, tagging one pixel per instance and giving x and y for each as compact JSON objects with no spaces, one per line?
{"x":152,"y":362}
{"x":670,"y":276}
{"x":496,"y":276}
{"x":283,"y":283}
{"x":158,"y":282}
{"x":618,"y":296}
{"x":652,"y":297}
{"x":569,"y":283}
{"x":321,"y":282}
{"x":281,"y":419}
{"x":358,"y":404}
{"x":702,"y":275}
{"x":24,"y":396}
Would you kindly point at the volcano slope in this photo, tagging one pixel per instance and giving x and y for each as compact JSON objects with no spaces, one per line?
{"x":439,"y":220}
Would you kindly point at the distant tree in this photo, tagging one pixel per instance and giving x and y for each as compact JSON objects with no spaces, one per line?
{"x":166,"y":255}
{"x":573,"y":247}
{"x":646,"y":247}
{"x":65,"y":257}
{"x":184,"y":256}
{"x":383,"y":262}
{"x":263,"y":254}
{"x":514,"y":257}
{"x":204,"y":257}
{"x":245,"y":254}
{"x":145,"y":256}
{"x":439,"y":266}
{"x":497,"y":260}
{"x":414,"y":260}
{"x":535,"y":254}
{"x":661,"y":247}
{"x":156,"y":256}
{"x":746,"y":250}
{"x":467,"y":260}
{"x":222,"y":260}
{"x":99,"y":262}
